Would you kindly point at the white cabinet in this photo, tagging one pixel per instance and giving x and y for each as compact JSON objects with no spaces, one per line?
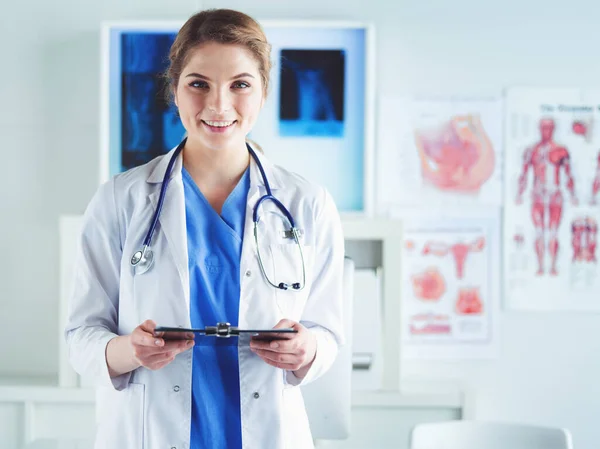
{"x":64,"y":418}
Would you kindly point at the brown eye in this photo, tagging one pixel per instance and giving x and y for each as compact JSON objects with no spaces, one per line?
{"x":198,"y":84}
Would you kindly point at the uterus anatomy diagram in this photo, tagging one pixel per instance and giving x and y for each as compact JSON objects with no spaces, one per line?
{"x":430,"y":285}
{"x":456,"y":156}
{"x":549,"y":162}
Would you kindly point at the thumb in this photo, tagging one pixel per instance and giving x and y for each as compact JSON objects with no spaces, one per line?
{"x":148,"y":326}
{"x":285,"y":323}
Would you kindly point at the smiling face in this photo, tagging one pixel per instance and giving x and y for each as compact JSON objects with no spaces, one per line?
{"x":219,"y":95}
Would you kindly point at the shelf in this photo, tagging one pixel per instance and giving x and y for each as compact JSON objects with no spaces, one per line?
{"x":360,"y":399}
{"x":39,"y":394}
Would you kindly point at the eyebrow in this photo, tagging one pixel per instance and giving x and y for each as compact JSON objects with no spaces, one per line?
{"x":198,"y":75}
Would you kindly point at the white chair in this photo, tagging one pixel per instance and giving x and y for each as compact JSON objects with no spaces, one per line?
{"x":488,"y":435}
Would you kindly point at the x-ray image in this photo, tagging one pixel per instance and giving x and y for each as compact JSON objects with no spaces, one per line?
{"x":319,"y":109}
{"x":149,"y":126}
{"x":311,"y":96}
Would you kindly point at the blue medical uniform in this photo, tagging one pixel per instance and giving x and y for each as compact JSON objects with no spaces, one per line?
{"x":214,"y":252}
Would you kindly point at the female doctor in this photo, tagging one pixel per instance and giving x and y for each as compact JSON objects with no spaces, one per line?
{"x":220,"y":252}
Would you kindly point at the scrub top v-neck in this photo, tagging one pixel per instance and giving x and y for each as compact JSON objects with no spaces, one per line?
{"x":214,"y":252}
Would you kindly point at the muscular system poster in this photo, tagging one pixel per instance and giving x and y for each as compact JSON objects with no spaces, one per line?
{"x":552,"y":182}
{"x":442,"y":151}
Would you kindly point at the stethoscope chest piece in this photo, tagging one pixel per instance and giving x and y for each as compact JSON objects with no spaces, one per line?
{"x":142,"y":260}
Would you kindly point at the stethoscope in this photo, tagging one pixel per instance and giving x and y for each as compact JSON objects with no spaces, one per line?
{"x":143,"y":259}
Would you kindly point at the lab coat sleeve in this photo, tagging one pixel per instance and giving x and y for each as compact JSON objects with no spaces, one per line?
{"x":323,"y":313}
{"x":94,"y":297}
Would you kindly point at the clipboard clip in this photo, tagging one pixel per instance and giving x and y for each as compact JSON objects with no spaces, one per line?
{"x":222,"y":330}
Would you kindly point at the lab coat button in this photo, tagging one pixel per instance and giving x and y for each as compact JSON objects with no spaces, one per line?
{"x":248,"y":273}
{"x":256,"y":395}
{"x":176,"y":388}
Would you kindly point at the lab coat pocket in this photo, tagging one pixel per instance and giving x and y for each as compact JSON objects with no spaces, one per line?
{"x":120,"y":417}
{"x":296,"y":427}
{"x":287,"y":268}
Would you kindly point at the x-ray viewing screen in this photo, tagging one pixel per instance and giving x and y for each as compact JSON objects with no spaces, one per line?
{"x":142,"y":121}
{"x":315,"y":108}
{"x":149,"y":126}
{"x":311,"y":97}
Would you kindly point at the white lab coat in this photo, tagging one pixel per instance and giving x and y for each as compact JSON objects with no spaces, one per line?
{"x":152,"y":409}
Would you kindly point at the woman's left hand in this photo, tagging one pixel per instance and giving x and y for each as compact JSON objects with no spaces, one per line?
{"x":294,"y":354}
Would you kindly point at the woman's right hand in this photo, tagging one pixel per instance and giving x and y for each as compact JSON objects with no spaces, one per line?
{"x":153,"y":352}
{"x":142,"y":348}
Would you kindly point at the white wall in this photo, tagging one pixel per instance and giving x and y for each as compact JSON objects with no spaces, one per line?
{"x":548,"y":369}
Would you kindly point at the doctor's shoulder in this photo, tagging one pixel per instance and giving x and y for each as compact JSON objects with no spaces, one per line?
{"x":111,"y":199}
{"x":311,"y":198}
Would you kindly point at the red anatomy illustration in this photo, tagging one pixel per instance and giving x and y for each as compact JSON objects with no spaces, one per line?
{"x":583,"y":128}
{"x":584,"y":231}
{"x":458,"y":250}
{"x":596,"y":185}
{"x":469,"y":301}
{"x":457,"y":156}
{"x":429,"y":285}
{"x":430,"y":324}
{"x":546,"y":158}
{"x":519,"y":239}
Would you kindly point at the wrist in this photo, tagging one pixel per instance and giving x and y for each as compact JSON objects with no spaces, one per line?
{"x":301,"y":372}
{"x":120,"y":357}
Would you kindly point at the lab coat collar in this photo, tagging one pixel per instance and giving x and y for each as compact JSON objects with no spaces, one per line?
{"x":158,"y":172}
{"x":256,"y":178}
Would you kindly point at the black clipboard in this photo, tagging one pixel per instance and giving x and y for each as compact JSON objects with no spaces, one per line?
{"x":224,"y":331}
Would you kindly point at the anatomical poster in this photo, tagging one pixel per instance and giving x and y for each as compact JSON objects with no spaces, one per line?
{"x":552,"y":186}
{"x":445,"y":151}
{"x":450,"y":278}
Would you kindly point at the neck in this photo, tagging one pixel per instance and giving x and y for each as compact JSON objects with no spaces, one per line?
{"x":215,"y":168}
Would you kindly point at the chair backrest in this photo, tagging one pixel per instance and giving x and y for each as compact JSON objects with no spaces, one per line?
{"x":488,"y":435}
{"x":328,"y":399}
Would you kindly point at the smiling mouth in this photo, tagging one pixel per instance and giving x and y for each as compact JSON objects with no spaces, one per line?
{"x":219,"y":124}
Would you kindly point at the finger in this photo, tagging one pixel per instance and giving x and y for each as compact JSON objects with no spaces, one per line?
{"x":276,"y":357}
{"x":289,"y":346}
{"x":176,"y":347}
{"x":141,"y":337}
{"x":159,"y":359}
{"x":285,"y":323}
{"x":285,"y":366}
{"x":148,"y":326}
{"x":160,"y":364}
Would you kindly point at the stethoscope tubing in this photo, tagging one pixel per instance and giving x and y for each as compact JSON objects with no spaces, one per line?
{"x":146,"y":254}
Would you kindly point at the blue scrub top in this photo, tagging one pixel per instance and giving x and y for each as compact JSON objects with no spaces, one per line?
{"x":214,"y":252}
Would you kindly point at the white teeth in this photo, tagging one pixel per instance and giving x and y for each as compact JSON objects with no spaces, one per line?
{"x":218,"y":124}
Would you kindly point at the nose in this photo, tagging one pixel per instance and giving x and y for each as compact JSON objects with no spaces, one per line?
{"x":219,"y":101}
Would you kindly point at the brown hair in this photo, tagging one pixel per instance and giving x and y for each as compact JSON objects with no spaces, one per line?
{"x":224,"y":26}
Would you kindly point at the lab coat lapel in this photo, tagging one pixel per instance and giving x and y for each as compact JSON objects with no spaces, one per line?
{"x":172,"y":223}
{"x":256,"y":191}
